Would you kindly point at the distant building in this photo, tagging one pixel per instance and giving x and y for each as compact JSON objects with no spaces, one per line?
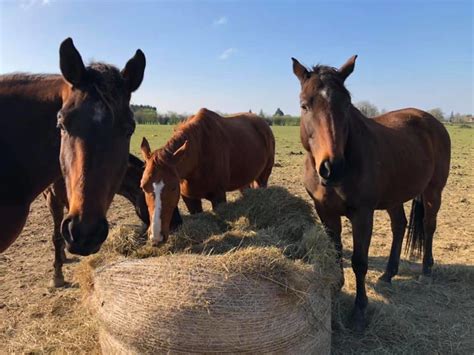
{"x":278,"y":112}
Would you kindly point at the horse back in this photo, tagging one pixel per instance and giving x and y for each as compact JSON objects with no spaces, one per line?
{"x":234,"y":150}
{"x":412,"y":150}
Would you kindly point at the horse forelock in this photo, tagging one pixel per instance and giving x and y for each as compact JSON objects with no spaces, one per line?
{"x":325,"y":79}
{"x":107,"y":82}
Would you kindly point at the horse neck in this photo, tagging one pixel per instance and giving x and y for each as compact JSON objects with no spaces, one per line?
{"x":29,"y":104}
{"x":360,"y":138}
{"x":190,"y":160}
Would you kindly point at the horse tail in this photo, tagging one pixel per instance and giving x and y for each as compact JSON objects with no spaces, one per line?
{"x":416,"y":232}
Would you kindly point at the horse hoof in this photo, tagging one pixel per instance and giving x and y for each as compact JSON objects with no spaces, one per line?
{"x":385,"y":278}
{"x":57,"y":282}
{"x":425,"y":279}
{"x":358,"y":321}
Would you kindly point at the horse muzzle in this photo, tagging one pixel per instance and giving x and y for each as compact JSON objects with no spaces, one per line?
{"x":331,"y":172}
{"x":81,"y":238}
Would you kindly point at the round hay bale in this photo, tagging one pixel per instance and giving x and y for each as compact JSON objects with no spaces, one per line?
{"x":253,"y":300}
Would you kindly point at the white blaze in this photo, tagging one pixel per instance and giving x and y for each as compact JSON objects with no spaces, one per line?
{"x":98,"y":112}
{"x":324,"y":93}
{"x":156,"y":221}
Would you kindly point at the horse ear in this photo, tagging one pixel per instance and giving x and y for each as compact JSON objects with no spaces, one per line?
{"x":145,"y":148}
{"x":70,"y":62}
{"x":348,"y":67}
{"x":134,"y":71}
{"x":178,"y":155}
{"x":300,"y":71}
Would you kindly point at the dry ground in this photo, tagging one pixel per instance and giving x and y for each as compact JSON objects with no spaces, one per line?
{"x":407,"y":317}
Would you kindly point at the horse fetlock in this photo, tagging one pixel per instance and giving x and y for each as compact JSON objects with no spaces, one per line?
{"x":386,"y":277}
{"x":358,"y":319}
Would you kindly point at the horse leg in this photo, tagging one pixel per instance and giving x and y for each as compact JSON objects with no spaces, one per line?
{"x":431,"y":204}
{"x":194,"y":205}
{"x":176,"y":219}
{"x":217,"y":199}
{"x":57,"y":211}
{"x":332,"y":225}
{"x":362,"y":223}
{"x":262,"y":180}
{"x":398,"y":222}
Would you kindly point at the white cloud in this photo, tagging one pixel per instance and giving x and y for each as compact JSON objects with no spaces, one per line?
{"x":227,"y":53}
{"x":27,"y":4}
{"x":220,"y":21}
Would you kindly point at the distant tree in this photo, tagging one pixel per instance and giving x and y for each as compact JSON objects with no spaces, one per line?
{"x":437,"y":113}
{"x":278,"y":112}
{"x":367,"y":108}
{"x":261,"y":113}
{"x":451,"y":117}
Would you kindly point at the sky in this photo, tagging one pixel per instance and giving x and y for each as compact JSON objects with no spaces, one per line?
{"x":233,"y":56}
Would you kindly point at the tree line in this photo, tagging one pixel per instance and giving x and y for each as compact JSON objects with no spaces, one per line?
{"x":146,"y":114}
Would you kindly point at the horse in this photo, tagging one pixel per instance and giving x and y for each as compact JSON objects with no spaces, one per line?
{"x":77,"y":125}
{"x":56,"y":200}
{"x":355,"y":165}
{"x":207,"y":156}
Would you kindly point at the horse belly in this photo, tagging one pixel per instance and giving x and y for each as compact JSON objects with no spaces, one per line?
{"x":405,"y":184}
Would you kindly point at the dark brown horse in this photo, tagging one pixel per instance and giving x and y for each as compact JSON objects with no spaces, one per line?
{"x":355,"y":165}
{"x":78,"y":124}
{"x":207,"y":156}
{"x":56,"y":199}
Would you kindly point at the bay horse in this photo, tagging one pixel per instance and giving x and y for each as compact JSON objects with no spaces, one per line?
{"x":78,"y":124}
{"x":355,"y":165}
{"x":207,"y":156}
{"x":56,"y":199}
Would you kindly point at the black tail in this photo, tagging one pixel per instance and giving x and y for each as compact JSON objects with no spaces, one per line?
{"x":416,"y":232}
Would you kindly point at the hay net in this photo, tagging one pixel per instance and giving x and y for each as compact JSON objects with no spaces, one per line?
{"x":250,"y":301}
{"x":253,"y":276}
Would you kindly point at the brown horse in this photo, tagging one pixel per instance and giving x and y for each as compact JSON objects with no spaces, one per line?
{"x":90,"y":106}
{"x":207,"y":156}
{"x":355,"y":165}
{"x":56,"y":199}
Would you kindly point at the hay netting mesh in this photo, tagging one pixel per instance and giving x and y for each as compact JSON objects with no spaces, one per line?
{"x":252,"y":277}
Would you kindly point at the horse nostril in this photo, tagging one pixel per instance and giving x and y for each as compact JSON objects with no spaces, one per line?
{"x":66,"y":229}
{"x":325,"y":169}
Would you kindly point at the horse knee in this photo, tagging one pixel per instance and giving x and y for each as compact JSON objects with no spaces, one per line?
{"x":359,"y":265}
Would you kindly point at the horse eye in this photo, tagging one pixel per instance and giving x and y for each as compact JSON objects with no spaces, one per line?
{"x":60,"y":121}
{"x":304,"y":107}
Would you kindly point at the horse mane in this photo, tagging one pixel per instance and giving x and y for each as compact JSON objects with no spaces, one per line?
{"x":202,"y":124}
{"x":19,"y":78}
{"x":45,"y":87}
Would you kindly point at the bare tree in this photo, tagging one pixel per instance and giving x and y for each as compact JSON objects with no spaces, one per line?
{"x":367,"y":108}
{"x":437,"y":113}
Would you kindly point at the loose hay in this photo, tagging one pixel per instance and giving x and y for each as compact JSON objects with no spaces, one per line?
{"x":259,"y":268}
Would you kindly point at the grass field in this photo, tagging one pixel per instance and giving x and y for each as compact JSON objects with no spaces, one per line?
{"x":407,"y":317}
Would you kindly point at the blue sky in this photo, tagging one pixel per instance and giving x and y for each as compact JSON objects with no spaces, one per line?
{"x":235,"y":55}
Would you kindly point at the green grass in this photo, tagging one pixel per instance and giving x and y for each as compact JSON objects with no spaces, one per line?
{"x":287,"y":137}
